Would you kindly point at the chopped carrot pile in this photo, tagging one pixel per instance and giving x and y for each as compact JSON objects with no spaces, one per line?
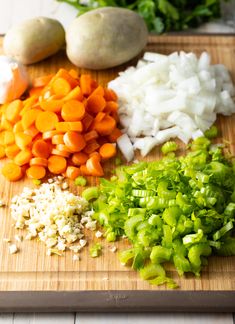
{"x":67,"y":125}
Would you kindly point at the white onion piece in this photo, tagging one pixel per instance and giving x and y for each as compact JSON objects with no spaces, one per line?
{"x":170,"y":96}
{"x":126,"y":147}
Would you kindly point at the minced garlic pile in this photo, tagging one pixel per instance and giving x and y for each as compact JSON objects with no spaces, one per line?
{"x":56,"y":216}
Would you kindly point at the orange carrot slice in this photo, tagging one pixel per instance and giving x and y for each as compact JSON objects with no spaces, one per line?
{"x":73,"y":110}
{"x":94,"y":167}
{"x":86,"y":84}
{"x":64,"y":154}
{"x":72,"y":172}
{"x":75,"y":94}
{"x":11,"y":151}
{"x":91,"y":147}
{"x":36,"y":172}
{"x":99,"y":117}
{"x":69,"y":126}
{"x":5,"y":124}
{"x":8,"y":137}
{"x":105,"y":126}
{"x":35,"y":91}
{"x":46,"y":121}
{"x":84,"y":170}
{"x":12,"y":171}
{"x":22,"y":140}
{"x":49,"y":134}
{"x":73,"y":73}
{"x":107,"y":151}
{"x":38,"y":161}
{"x":41,"y":149}
{"x":96,"y":103}
{"x":57,"y":139}
{"x":23,"y":157}
{"x":110,"y":95}
{"x":87,"y":121}
{"x":61,"y":86}
{"x":111,"y":106}
{"x":116,"y":133}
{"x":13,"y":109}
{"x":18,"y":127}
{"x":29,"y":117}
{"x":79,"y":158}
{"x":53,"y":105}
{"x":74,"y":141}
{"x":57,"y":164}
{"x":2,"y":152}
{"x":62,"y":73}
{"x":91,"y":135}
{"x":32,"y":131}
{"x":42,"y":81}
{"x":62,"y":147}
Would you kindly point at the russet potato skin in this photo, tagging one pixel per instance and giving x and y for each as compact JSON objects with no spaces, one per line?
{"x":34,"y":40}
{"x":105,"y":37}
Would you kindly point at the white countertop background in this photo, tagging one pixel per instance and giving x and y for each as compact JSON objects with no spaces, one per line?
{"x":14,"y":11}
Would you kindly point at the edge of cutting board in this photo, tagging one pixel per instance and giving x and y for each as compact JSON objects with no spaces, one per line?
{"x":118,"y":301}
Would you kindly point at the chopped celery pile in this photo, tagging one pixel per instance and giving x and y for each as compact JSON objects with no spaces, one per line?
{"x":177,"y":209}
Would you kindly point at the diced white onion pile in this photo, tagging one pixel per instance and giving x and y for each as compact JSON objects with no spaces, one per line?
{"x":171,"y":96}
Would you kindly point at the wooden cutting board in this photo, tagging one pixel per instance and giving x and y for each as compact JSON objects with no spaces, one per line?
{"x":31,"y":270}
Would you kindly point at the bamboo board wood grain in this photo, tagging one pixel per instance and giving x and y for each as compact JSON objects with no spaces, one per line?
{"x":32,"y":270}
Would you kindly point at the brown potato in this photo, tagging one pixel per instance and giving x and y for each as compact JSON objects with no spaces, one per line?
{"x":33,"y":40}
{"x":106,"y":37}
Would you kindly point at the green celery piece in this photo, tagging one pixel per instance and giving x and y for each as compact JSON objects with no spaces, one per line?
{"x":193,"y":238}
{"x":215,"y":244}
{"x":155,"y":220}
{"x":227,"y":247}
{"x":140,"y":256}
{"x":136,"y":167}
{"x":130,"y":226}
{"x":136,"y":211}
{"x":168,"y":147}
{"x":171,"y":215}
{"x":143,"y":193}
{"x":211,"y":132}
{"x":182,"y":264}
{"x":230,"y":210}
{"x":154,"y":203}
{"x":183,"y":202}
{"x":126,"y":256}
{"x":195,"y":253}
{"x":111,"y":237}
{"x":90,"y":193}
{"x":151,"y":271}
{"x":160,"y":254}
{"x":164,"y":192}
{"x":200,"y":143}
{"x":163,"y":280}
{"x":222,"y":231}
{"x":95,"y":250}
{"x":80,"y":181}
{"x":167,"y":236}
{"x":146,"y":236}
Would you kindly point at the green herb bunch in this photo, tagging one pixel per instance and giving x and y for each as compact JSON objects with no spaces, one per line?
{"x":160,"y":15}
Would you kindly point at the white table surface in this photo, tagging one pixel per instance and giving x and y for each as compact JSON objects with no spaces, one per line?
{"x":13,"y":11}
